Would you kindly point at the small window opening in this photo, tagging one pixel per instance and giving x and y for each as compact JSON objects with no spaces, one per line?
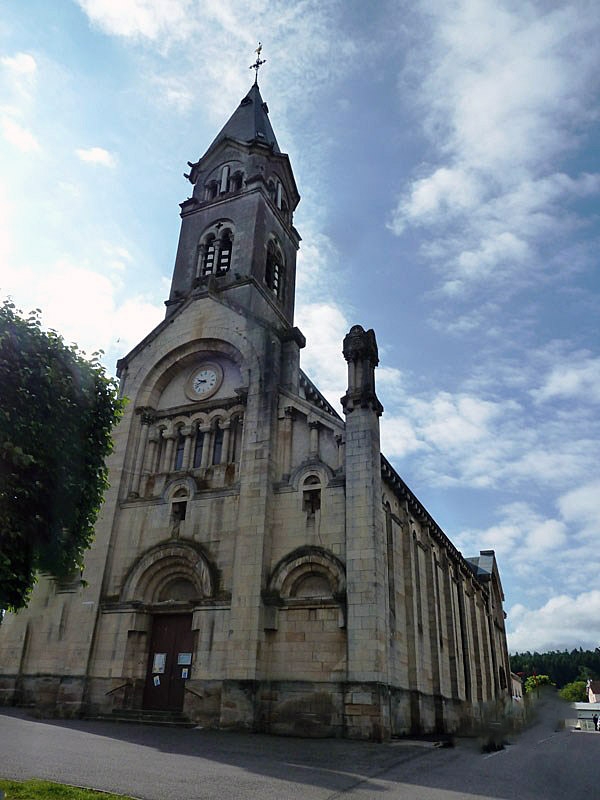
{"x":236,"y":182}
{"x":179,"y":451}
{"x":224,"y":254}
{"x":311,"y":501}
{"x":224,"y":179}
{"x":198,"y":446}
{"x":209,"y":257}
{"x":178,"y":510}
{"x":274,"y":270}
{"x":211,"y":190}
{"x":218,"y":446}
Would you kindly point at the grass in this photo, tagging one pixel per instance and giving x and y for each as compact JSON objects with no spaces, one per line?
{"x":45,"y":790}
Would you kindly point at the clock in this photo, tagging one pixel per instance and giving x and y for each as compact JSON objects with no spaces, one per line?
{"x":204,"y":381}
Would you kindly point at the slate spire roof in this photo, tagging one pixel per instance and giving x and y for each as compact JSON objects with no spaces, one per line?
{"x":249,"y":122}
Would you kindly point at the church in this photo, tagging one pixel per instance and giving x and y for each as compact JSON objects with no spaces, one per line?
{"x":258,"y":564}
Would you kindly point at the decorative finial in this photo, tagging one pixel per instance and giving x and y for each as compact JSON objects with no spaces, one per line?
{"x":258,"y":63}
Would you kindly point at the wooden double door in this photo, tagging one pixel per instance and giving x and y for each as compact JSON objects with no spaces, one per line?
{"x":170,"y":662}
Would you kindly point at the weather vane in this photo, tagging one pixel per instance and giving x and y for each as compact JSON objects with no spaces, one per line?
{"x":258,"y":63}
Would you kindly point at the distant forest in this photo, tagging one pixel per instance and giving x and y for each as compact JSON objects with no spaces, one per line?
{"x":562,"y":666}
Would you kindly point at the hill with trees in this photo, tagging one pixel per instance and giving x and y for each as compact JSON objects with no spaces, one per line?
{"x":563,"y":667}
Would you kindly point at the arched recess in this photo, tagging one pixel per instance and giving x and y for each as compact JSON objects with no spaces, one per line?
{"x":309,"y":571}
{"x":180,"y":566}
{"x":241,"y":353}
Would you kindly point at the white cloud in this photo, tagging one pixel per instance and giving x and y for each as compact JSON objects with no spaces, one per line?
{"x":504,"y":94}
{"x":398,"y":437}
{"x":83,"y":302}
{"x":20,"y":137}
{"x":221,"y":34}
{"x":578,"y":379}
{"x":96,"y":155}
{"x":564,"y":621}
{"x":581,"y":506}
{"x":151,"y":19}
{"x":324,"y":325}
{"x":444,"y":193}
{"x":20,"y":64}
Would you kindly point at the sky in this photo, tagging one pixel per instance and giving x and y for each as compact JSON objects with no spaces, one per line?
{"x":447,"y":154}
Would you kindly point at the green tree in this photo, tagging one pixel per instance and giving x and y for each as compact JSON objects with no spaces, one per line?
{"x":574,"y":692}
{"x":57,"y":410}
{"x":534,"y":682}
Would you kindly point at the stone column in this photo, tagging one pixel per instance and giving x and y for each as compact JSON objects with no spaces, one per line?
{"x":226,"y":428}
{"x":367,"y":698}
{"x":145,"y":421}
{"x":313,"y":427}
{"x":188,"y":433}
{"x":200,"y":262}
{"x":206,"y":445}
{"x":167,"y":465}
{"x":287,"y":426}
{"x":149,"y":459}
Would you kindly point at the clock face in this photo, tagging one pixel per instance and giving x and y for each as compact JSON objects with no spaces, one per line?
{"x":204,"y":381}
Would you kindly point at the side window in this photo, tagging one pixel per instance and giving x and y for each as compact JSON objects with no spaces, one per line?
{"x":208,"y":264}
{"x":218,"y":445}
{"x":225,"y":245}
{"x":214,"y":254}
{"x":274,"y":270}
{"x":198,"y":448}
{"x":211,"y":191}
{"x":235,"y":184}
{"x":311,"y":495}
{"x":224,"y":187}
{"x":179,"y":450}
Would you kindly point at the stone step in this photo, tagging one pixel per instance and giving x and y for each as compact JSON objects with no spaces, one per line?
{"x":167,"y":719}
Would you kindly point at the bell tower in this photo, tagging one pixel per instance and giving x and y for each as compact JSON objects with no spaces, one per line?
{"x":237,"y":235}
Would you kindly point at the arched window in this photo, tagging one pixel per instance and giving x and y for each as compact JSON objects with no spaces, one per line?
{"x":224,"y":187}
{"x":218,"y":445}
{"x":274,"y":270}
{"x":311,"y":495}
{"x":225,"y":245}
{"x":198,"y":446}
{"x":211,"y":191}
{"x":179,"y":449}
{"x":235,"y":184}
{"x":209,"y":256}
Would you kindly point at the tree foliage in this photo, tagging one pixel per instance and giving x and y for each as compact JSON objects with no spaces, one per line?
{"x":57,"y":410}
{"x":574,"y":692}
{"x":562,"y":666}
{"x":534,"y":682}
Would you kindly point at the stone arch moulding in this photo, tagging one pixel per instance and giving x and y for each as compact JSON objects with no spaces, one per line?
{"x":292,"y":569}
{"x":186,"y":484}
{"x":163,"y":564}
{"x":238,"y":349}
{"x":319,"y":468}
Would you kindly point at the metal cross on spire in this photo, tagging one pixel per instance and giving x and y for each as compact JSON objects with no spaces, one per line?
{"x":258,"y":63}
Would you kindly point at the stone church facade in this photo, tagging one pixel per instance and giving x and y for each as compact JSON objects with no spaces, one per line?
{"x":258,"y":563}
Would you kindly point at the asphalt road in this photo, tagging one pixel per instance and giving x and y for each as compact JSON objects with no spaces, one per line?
{"x":178,"y":764}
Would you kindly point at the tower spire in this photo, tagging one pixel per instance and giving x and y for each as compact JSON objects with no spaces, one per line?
{"x":258,"y":63}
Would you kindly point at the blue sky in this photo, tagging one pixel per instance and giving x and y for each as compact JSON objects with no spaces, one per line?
{"x":447,"y":156}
